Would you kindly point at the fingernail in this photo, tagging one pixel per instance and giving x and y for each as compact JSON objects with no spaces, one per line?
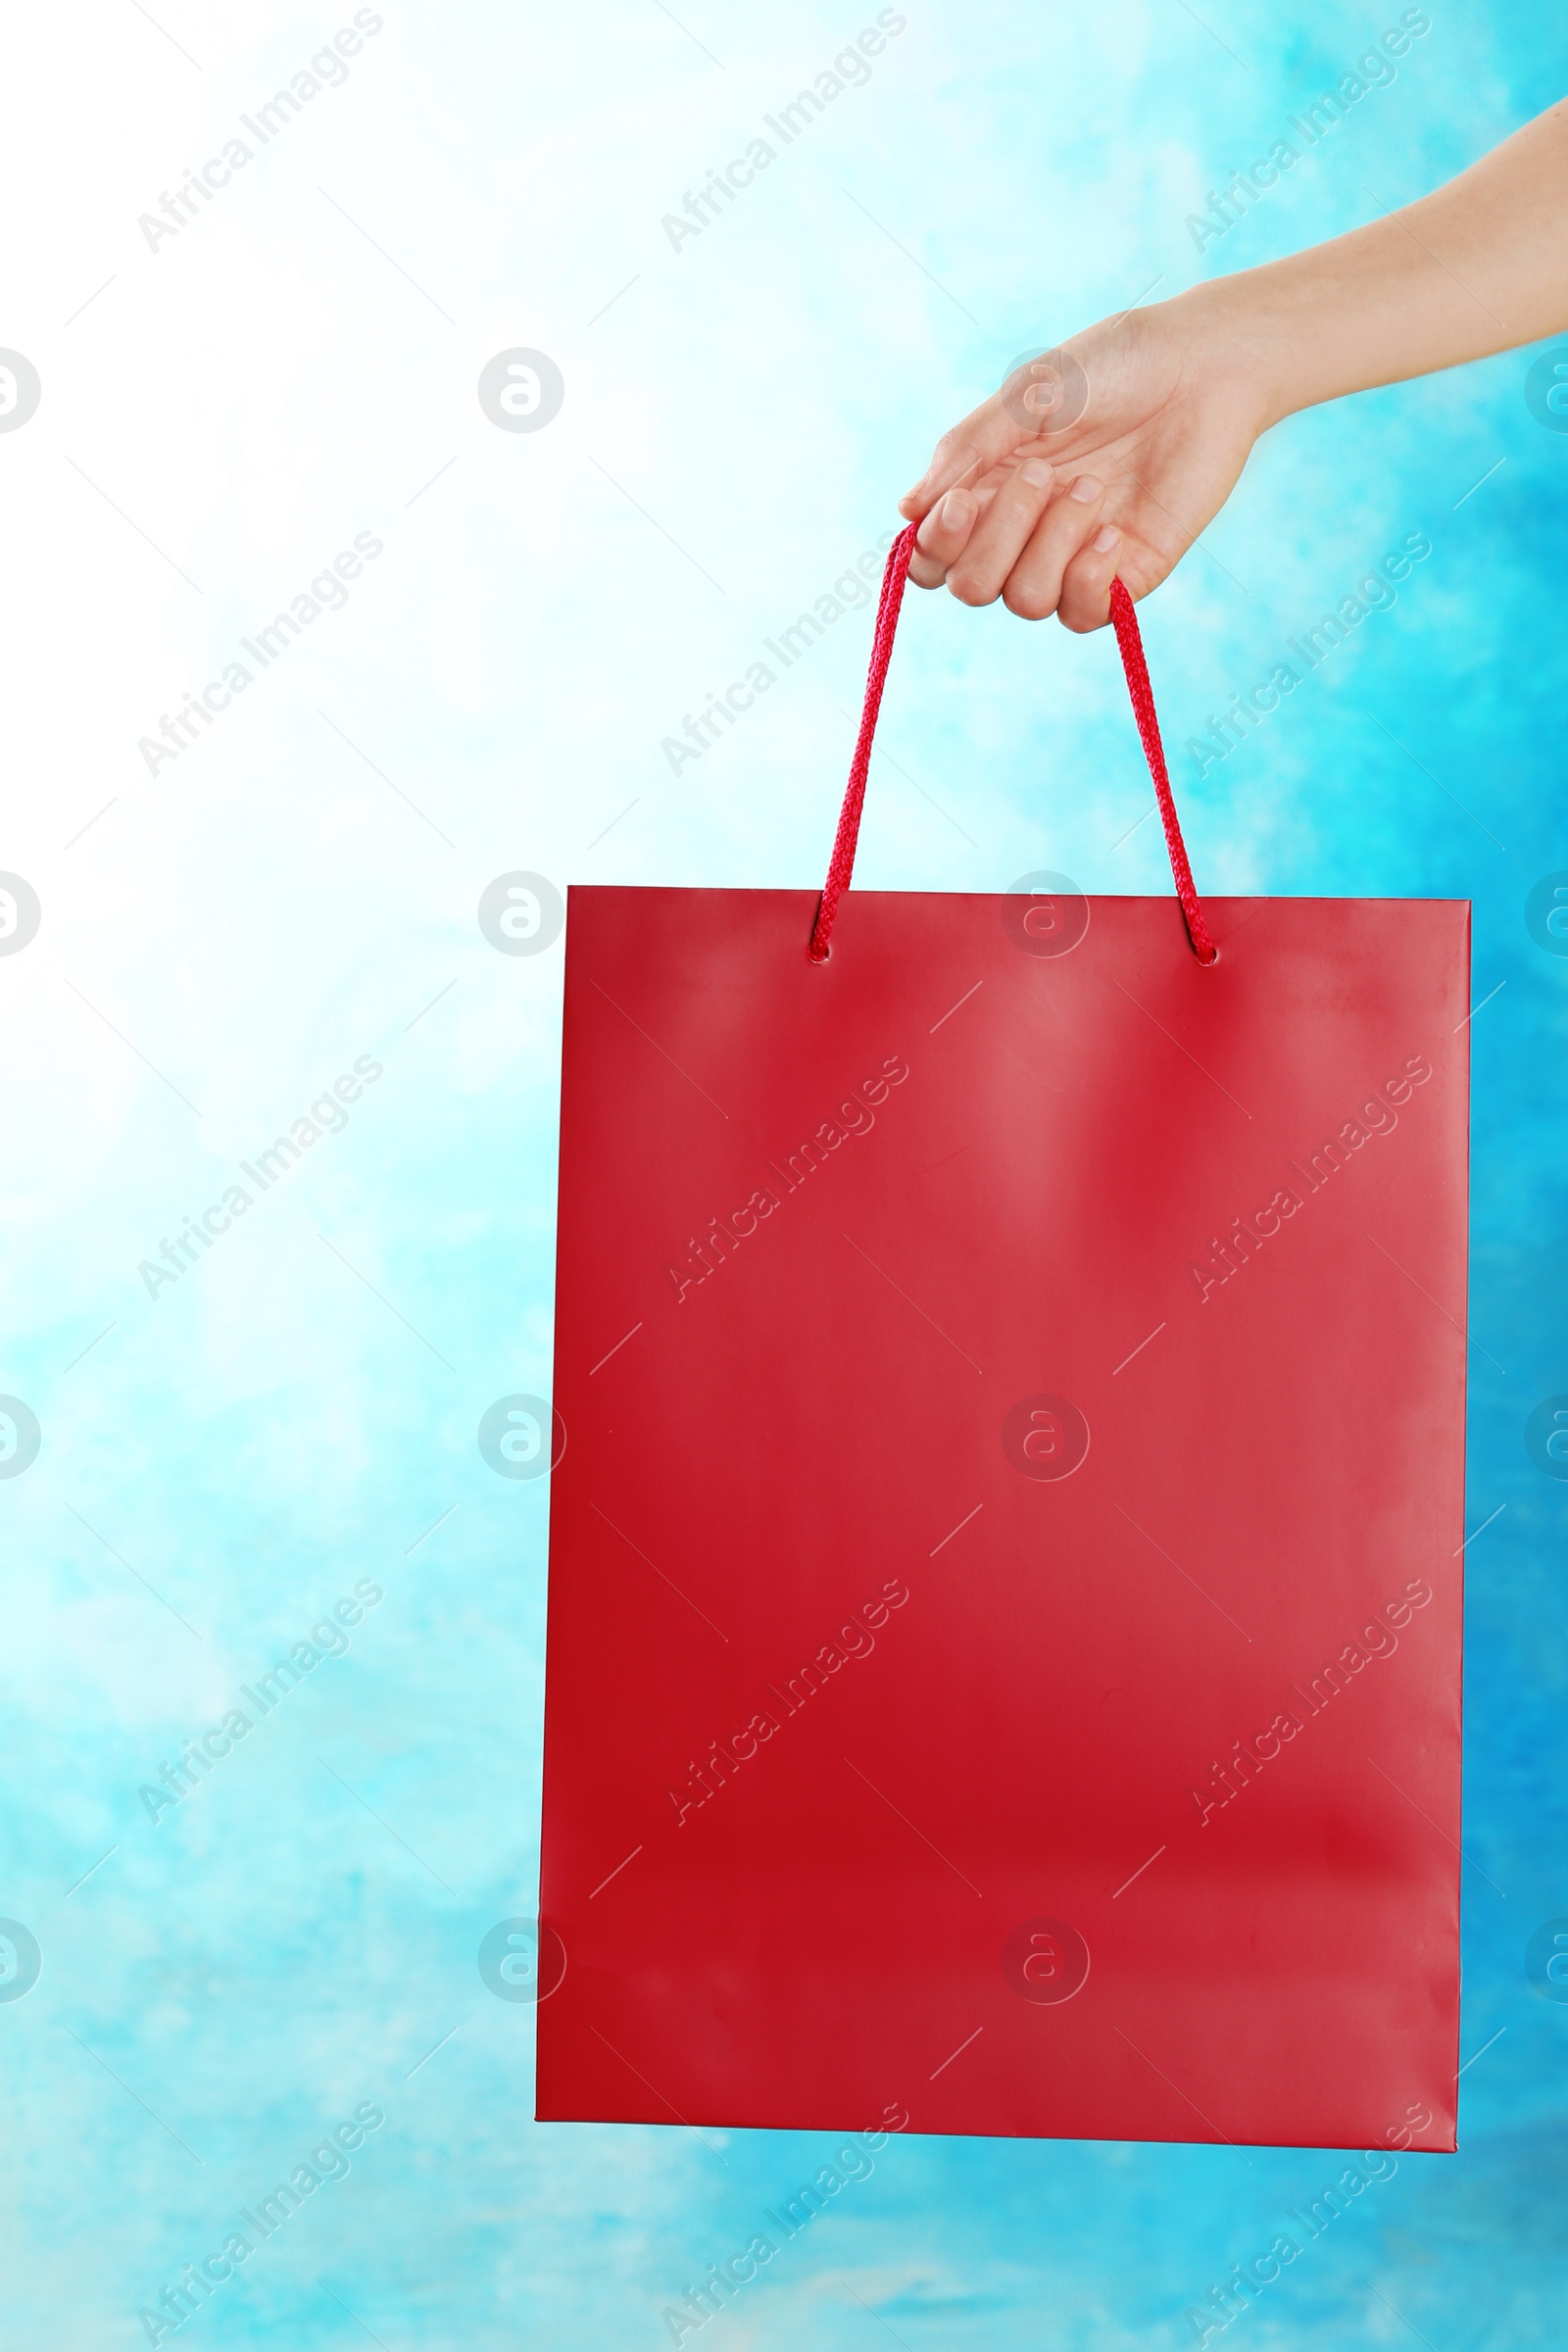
{"x":1087,"y":488}
{"x":1036,"y":473}
{"x":956,"y":510}
{"x":1106,"y":540}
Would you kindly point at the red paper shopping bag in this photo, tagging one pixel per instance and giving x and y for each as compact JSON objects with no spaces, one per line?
{"x":1004,"y":1581}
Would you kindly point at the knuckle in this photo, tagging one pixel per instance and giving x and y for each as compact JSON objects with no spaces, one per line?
{"x":970,"y":589}
{"x":1080,"y":622}
{"x":1028,"y":604}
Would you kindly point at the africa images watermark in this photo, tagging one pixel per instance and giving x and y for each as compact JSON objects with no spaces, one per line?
{"x":326,"y":70}
{"x":1373,"y":70}
{"x":855,"y":1116}
{"x":700,"y":2304}
{"x":848,"y":591}
{"x":850,"y":69}
{"x":856,"y":1639}
{"x":328,"y":2161}
{"x":329,"y":1639}
{"x":1376,"y":1116}
{"x":1226,"y":2304}
{"x":1376,"y":1640}
{"x":326,"y":593}
{"x":327,"y":1115}
{"x":1373,"y":593}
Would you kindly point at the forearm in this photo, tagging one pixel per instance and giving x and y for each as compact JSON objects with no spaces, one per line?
{"x":1480,"y":266}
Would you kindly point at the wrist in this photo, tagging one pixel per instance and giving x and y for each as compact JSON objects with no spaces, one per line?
{"x":1245,"y":341}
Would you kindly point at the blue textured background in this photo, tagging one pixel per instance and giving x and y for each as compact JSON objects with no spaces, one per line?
{"x":298,"y":365}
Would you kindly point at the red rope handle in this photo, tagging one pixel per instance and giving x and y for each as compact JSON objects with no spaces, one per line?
{"x":1124,"y":619}
{"x":1131,"y":645}
{"x":841,"y":862}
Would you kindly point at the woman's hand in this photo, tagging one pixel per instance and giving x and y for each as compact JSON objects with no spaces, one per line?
{"x":1109,"y":457}
{"x":1112,"y":455}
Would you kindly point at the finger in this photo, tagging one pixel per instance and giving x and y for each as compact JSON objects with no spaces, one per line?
{"x":941,"y":536}
{"x":944,"y":526}
{"x":1033,"y":586}
{"x":1002,"y":534}
{"x":1086,"y":584}
{"x":980,"y":441}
